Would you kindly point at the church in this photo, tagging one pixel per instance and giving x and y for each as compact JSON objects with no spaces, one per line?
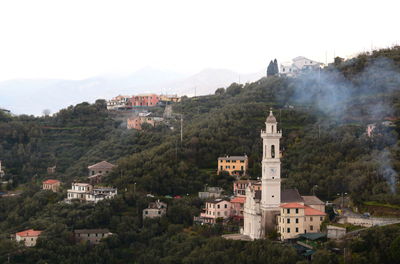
{"x":272,"y":209}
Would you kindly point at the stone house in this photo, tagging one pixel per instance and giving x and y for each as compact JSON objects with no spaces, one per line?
{"x":52,"y":185}
{"x":98,"y":170}
{"x":28,"y":237}
{"x":87,"y":193}
{"x":92,"y":236}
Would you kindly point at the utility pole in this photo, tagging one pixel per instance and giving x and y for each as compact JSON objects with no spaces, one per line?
{"x":181,"y":129}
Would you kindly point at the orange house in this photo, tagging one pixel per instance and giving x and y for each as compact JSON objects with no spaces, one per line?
{"x":234,"y":165}
{"x":52,"y":185}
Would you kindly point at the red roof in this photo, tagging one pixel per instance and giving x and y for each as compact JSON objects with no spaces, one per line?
{"x":292,"y":205}
{"x":51,"y":181}
{"x":312,"y":211}
{"x":29,"y":233}
{"x":239,"y":200}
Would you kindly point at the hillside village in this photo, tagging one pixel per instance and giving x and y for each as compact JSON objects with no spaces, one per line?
{"x":216,"y":171}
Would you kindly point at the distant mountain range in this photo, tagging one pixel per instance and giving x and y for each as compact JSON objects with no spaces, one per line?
{"x":32,"y":96}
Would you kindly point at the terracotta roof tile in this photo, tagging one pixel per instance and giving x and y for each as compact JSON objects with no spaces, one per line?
{"x":292,"y":205}
{"x":312,"y":211}
{"x":50,"y":181}
{"x":29,"y":233}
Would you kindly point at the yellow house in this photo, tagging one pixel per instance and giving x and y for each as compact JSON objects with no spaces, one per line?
{"x":234,"y":165}
{"x":296,"y":219}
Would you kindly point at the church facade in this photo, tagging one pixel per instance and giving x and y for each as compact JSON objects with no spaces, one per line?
{"x":266,"y":210}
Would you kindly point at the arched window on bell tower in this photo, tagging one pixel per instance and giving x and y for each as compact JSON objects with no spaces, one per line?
{"x":273,"y":151}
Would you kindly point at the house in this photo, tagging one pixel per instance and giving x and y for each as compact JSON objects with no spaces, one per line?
{"x":211,"y":192}
{"x":234,"y":165}
{"x":92,"y":236}
{"x":297,"y":218}
{"x":52,"y":185}
{"x":270,"y":208}
{"x":2,"y":173}
{"x":86,"y":193}
{"x":120,"y":102}
{"x":299,"y":65}
{"x":79,"y":191}
{"x":144,"y":100}
{"x":155,"y":209}
{"x":98,"y":170}
{"x":143,"y":118}
{"x":238,"y":206}
{"x":29,"y":237}
{"x":239,"y":187}
{"x":101,"y":193}
{"x":51,"y":170}
{"x":218,"y":208}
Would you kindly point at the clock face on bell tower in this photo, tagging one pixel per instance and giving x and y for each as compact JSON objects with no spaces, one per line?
{"x":272,"y":171}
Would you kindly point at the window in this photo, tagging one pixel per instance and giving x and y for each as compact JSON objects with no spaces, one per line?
{"x":226,"y":206}
{"x":297,"y":220}
{"x":288,"y":220}
{"x":297,"y":210}
{"x":218,"y":206}
{"x":321,"y":218}
{"x":233,"y":166}
{"x":222,"y":167}
{"x":159,"y":212}
{"x":273,"y":151}
{"x":297,"y":230}
{"x":241,"y":167}
{"x":288,"y":230}
{"x":311,"y":228}
{"x":288,"y":211}
{"x":218,"y":213}
{"x":311,"y":218}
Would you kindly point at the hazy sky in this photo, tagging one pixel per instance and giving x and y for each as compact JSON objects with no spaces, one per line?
{"x":78,"y":39}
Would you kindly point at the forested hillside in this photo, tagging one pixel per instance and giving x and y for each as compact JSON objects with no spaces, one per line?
{"x":325,"y":150}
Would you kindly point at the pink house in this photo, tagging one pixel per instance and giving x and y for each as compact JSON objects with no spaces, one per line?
{"x":237,"y":207}
{"x":144,"y":100}
{"x":217,"y":208}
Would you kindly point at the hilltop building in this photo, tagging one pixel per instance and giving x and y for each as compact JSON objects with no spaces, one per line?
{"x":234,"y":165}
{"x":120,"y":102}
{"x":92,"y":236}
{"x":272,"y":209}
{"x":298,"y":65}
{"x":142,"y":100}
{"x":29,"y":237}
{"x":52,"y":185}
{"x":155,"y":209}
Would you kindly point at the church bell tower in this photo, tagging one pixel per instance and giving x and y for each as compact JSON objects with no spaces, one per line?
{"x":271,"y":165}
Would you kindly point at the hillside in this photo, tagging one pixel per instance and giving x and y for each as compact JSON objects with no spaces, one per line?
{"x":323,"y":117}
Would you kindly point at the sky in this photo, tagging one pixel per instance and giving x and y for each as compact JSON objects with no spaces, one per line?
{"x":80,"y":39}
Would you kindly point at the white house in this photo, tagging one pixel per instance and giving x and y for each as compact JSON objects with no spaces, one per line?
{"x":85,"y":192}
{"x":28,"y":237}
{"x":298,"y":65}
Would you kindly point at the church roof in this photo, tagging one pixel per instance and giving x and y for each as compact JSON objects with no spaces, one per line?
{"x":291,"y":196}
{"x":312,"y":199}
